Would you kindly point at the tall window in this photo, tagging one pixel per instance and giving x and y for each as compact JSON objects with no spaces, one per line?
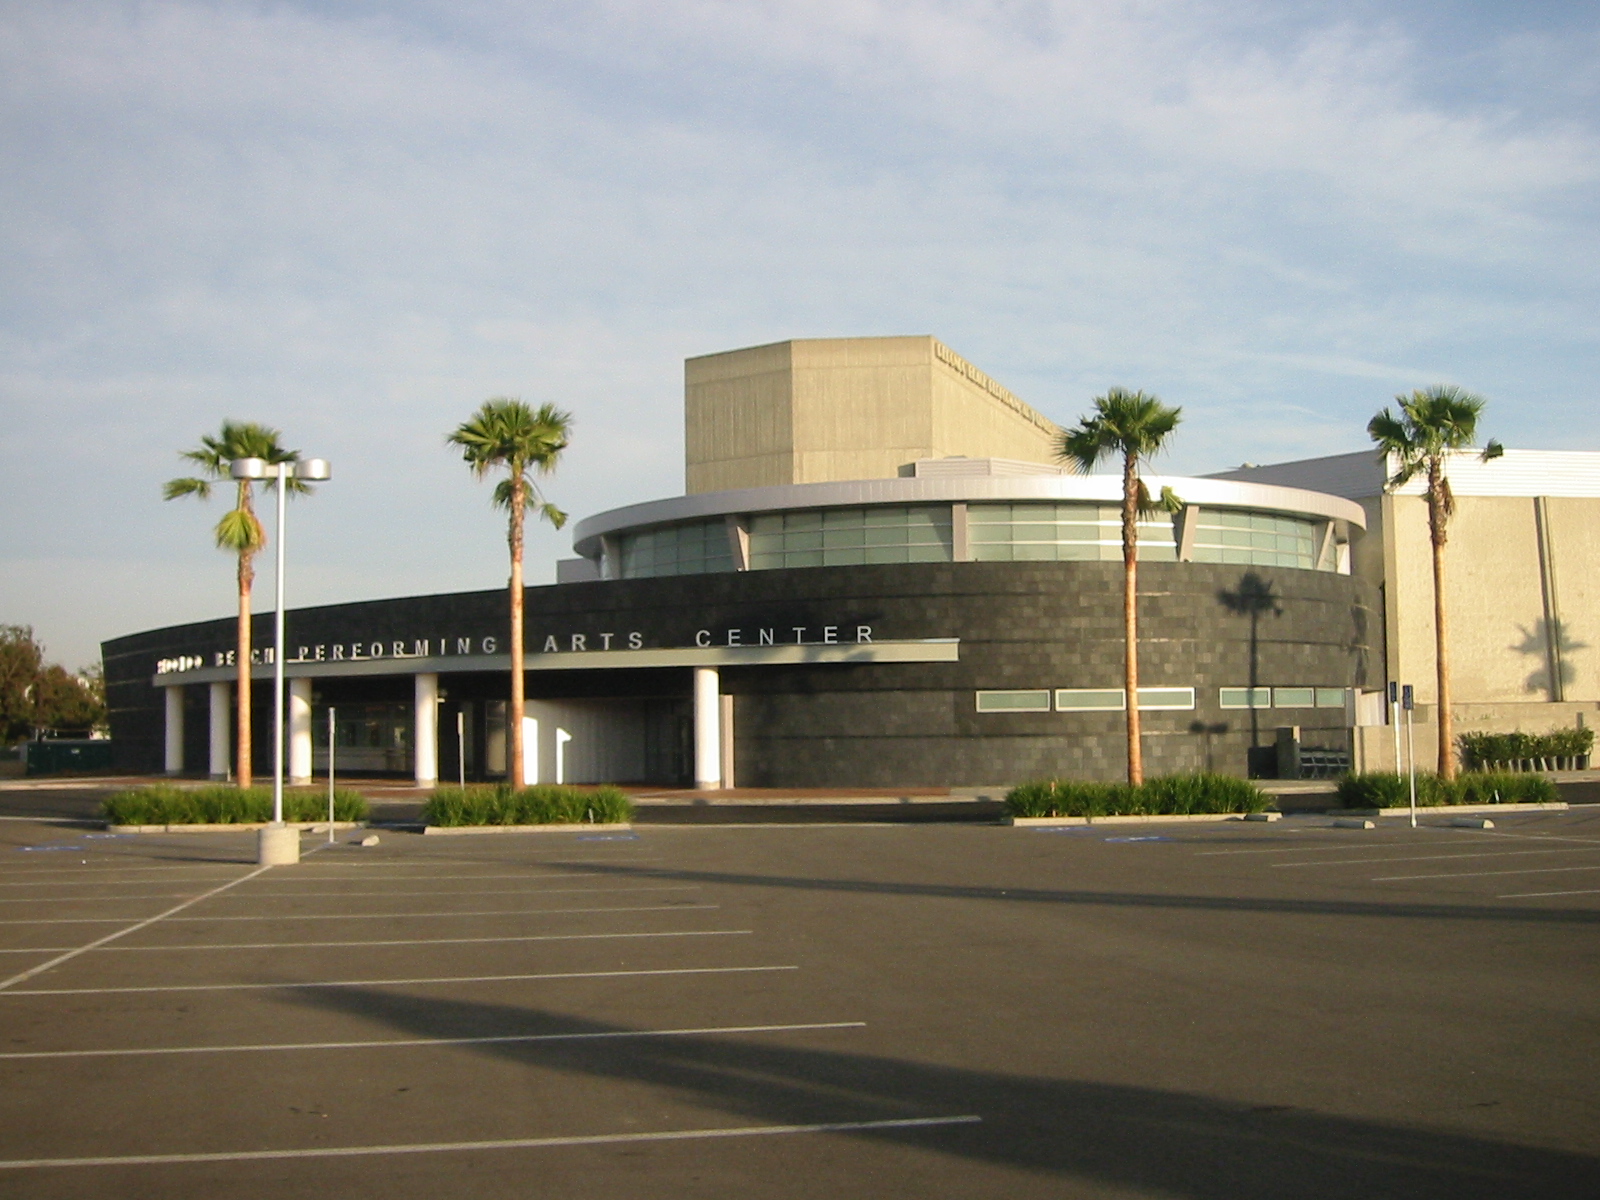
{"x":1256,"y":539}
{"x":1035,"y":532}
{"x":838,"y":537}
{"x":700,"y":548}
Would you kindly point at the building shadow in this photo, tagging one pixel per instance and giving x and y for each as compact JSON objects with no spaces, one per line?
{"x":1403,"y":910}
{"x":1123,"y":1139}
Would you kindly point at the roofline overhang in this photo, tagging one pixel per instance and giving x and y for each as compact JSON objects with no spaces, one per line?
{"x":1205,"y":493}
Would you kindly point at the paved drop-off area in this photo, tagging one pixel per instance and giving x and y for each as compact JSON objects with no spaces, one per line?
{"x":1216,"y":1011}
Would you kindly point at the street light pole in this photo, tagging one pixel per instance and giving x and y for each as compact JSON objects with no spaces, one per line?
{"x":279,"y":844}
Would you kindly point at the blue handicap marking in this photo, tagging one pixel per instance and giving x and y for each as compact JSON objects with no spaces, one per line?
{"x":609,"y":837}
{"x":1149,"y":837}
{"x":50,"y":847}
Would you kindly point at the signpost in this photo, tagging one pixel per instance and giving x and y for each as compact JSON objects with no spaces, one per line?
{"x":1408,"y":702}
{"x":330,"y":773}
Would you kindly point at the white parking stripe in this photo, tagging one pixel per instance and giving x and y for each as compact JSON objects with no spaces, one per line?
{"x":608,"y":1035}
{"x":1531,"y":895}
{"x":1477,"y":874}
{"x":98,"y":942}
{"x":1342,"y":847}
{"x":251,"y":987}
{"x":256,"y":898}
{"x":603,"y":1139}
{"x":285,"y":917}
{"x":1341,"y":862}
{"x":532,"y":937}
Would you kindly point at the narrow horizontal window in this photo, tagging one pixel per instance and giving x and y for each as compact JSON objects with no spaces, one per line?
{"x":1090,"y":700}
{"x":1330,"y":697}
{"x":1034,"y":701}
{"x":1243,"y":697}
{"x":1172,"y":698}
{"x":1294,"y":697}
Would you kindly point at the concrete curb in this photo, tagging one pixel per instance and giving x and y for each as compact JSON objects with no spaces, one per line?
{"x":1441,"y":810}
{"x":237,"y":827}
{"x":1043,"y":822}
{"x":553,"y":827}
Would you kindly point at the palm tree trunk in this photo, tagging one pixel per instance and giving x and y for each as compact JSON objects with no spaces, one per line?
{"x":518,"y":509}
{"x":1441,"y":656}
{"x":243,"y":770}
{"x":1130,"y":614}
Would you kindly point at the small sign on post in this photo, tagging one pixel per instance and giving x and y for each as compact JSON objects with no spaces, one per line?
{"x":1408,"y":701}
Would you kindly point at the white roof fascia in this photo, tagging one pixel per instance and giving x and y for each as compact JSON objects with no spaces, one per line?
{"x":1103,"y":489}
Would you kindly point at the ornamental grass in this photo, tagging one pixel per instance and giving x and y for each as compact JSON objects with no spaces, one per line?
{"x":1167,"y":795}
{"x":224,"y":804}
{"x":1385,"y":789}
{"x":544,"y":804}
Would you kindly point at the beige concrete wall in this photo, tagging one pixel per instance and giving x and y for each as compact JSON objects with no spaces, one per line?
{"x":862,"y":407}
{"x":738,"y":426}
{"x":1574,"y":526}
{"x":826,"y":409}
{"x":1495,"y":605}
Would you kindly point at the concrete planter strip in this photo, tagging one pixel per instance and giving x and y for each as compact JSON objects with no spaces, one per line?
{"x":1043,"y":822}
{"x":236,"y":827}
{"x":1441,"y":810}
{"x":552,"y":827}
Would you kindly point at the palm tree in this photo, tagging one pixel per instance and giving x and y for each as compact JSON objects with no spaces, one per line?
{"x":1133,"y":425}
{"x":1433,"y":422}
{"x":506,"y":432}
{"x":239,"y":531}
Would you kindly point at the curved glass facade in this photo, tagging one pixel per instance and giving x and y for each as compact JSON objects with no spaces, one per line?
{"x":843,"y":537}
{"x":1024,"y":531}
{"x":1033,"y":532}
{"x":699,"y":548}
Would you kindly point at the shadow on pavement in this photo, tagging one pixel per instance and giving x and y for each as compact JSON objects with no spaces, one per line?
{"x":1122,"y":1137}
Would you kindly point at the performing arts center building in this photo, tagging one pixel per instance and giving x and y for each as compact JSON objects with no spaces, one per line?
{"x":880,"y":575}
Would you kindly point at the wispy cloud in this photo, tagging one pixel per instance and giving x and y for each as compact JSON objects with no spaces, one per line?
{"x":357,"y":221}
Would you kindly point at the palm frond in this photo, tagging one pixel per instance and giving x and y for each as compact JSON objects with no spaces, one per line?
{"x":1170,"y":501}
{"x":1124,"y":423}
{"x":239,"y":530}
{"x":1492,"y":451}
{"x":175,"y":488}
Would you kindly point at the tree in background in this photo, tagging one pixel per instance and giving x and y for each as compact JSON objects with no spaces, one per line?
{"x":240,"y":532}
{"x":38,"y":698}
{"x":1135,"y":426}
{"x":507,"y":432}
{"x":1431,"y":424}
{"x":21,"y":660}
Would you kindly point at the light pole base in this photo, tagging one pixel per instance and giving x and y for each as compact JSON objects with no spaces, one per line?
{"x":278,"y":846}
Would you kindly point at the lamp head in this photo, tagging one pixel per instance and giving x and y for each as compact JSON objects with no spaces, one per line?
{"x":248,"y":468}
{"x":313,"y":469}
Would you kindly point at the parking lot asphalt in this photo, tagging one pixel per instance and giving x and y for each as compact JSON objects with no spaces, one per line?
{"x":1229,"y":1010}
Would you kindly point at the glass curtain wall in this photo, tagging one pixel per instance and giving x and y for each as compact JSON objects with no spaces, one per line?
{"x":1035,"y":532}
{"x":1257,"y":539}
{"x":701,"y":548}
{"x":838,"y":537}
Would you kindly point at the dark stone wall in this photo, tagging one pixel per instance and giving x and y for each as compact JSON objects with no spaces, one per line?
{"x":1021,"y":625}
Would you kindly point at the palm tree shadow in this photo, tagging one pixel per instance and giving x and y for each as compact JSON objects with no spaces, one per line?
{"x":1254,"y":598}
{"x":1118,"y":1136}
{"x":1555,"y":654}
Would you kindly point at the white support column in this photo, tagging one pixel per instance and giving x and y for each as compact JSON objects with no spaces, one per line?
{"x":221,"y":765}
{"x":425,"y":730}
{"x":530,"y":751}
{"x":174,"y":757}
{"x":299,"y":731}
{"x":707,"y":731}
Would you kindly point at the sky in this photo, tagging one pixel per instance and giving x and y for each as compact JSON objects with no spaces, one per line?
{"x":354,"y":222}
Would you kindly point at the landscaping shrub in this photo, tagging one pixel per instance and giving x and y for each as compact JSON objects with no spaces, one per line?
{"x":501,"y":804}
{"x":1167,"y":795}
{"x":224,"y":804}
{"x":1557,"y":750}
{"x":1384,"y":789}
